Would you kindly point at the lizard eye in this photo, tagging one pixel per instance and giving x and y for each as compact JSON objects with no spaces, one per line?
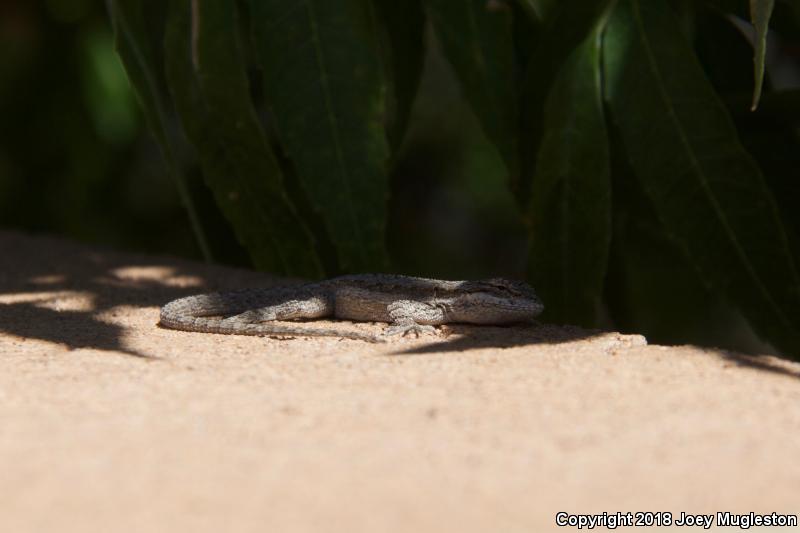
{"x":509,"y":288}
{"x":504,"y":285}
{"x":513,"y":287}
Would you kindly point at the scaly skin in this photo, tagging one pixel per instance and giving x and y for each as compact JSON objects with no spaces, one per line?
{"x":407,"y":303}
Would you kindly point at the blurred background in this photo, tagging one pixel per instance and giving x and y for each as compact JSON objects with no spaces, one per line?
{"x":76,"y":158}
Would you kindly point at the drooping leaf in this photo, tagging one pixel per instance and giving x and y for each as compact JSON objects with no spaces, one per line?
{"x":651,"y":288}
{"x":567,"y":25}
{"x":725,"y":55}
{"x":206,"y":72}
{"x":768,"y":133}
{"x":571,"y":196}
{"x":760,"y":13}
{"x":404,"y":23}
{"x":476,"y":36}
{"x":324,"y":82}
{"x":707,"y":190}
{"x":526,"y":29}
{"x":737,"y":8}
{"x":137,"y":48}
{"x":784,"y":16}
{"x":686,"y":12}
{"x":539,"y":9}
{"x":795,"y":6}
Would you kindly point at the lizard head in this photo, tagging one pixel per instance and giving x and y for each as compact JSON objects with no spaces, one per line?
{"x":499,"y":301}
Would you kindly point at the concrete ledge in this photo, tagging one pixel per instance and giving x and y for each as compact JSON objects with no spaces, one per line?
{"x":108,"y":423}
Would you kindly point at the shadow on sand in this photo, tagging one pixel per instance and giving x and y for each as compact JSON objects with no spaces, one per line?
{"x":35,"y":271}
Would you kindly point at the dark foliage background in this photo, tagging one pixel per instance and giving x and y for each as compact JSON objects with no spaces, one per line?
{"x":604,"y":150}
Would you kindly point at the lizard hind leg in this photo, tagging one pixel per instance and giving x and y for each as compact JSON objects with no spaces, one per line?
{"x":253,"y":316}
{"x":312,"y":307}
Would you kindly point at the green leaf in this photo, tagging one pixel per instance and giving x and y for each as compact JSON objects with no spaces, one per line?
{"x":539,"y":9}
{"x":739,"y":8}
{"x":476,"y":36}
{"x":404,"y":23}
{"x":137,"y":48}
{"x":569,"y":23}
{"x":206,"y":74}
{"x":795,"y":6}
{"x":651,"y":288}
{"x":526,"y":29}
{"x":769,"y":132}
{"x":571,"y":197}
{"x":725,"y":55}
{"x":760,"y":12}
{"x":706,"y":189}
{"x":324,"y":81}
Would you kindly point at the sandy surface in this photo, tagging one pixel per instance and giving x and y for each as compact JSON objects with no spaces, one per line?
{"x":110,"y":424}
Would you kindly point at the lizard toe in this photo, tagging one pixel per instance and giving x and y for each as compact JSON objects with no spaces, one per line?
{"x":405,"y":329}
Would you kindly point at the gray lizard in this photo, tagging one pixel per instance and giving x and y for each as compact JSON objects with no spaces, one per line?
{"x":407,"y":303}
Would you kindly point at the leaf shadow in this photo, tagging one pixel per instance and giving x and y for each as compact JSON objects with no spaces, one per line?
{"x":63,"y":293}
{"x":72,"y":329}
{"x":36,"y":273}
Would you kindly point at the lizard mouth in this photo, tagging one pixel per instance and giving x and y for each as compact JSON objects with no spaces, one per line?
{"x":507,"y":311}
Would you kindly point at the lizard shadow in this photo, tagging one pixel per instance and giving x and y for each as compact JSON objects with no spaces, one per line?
{"x":481,"y":337}
{"x":467,"y":337}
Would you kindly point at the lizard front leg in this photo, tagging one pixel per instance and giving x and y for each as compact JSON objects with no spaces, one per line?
{"x":409,"y":316}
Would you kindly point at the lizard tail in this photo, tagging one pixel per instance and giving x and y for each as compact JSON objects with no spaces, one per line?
{"x":172,"y":320}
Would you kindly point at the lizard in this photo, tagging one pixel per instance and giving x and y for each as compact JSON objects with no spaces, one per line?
{"x":408,"y":304}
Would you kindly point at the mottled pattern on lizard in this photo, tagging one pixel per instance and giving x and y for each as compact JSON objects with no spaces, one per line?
{"x":407,"y":303}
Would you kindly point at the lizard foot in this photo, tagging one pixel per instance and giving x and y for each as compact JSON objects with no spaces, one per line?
{"x":404,"y":329}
